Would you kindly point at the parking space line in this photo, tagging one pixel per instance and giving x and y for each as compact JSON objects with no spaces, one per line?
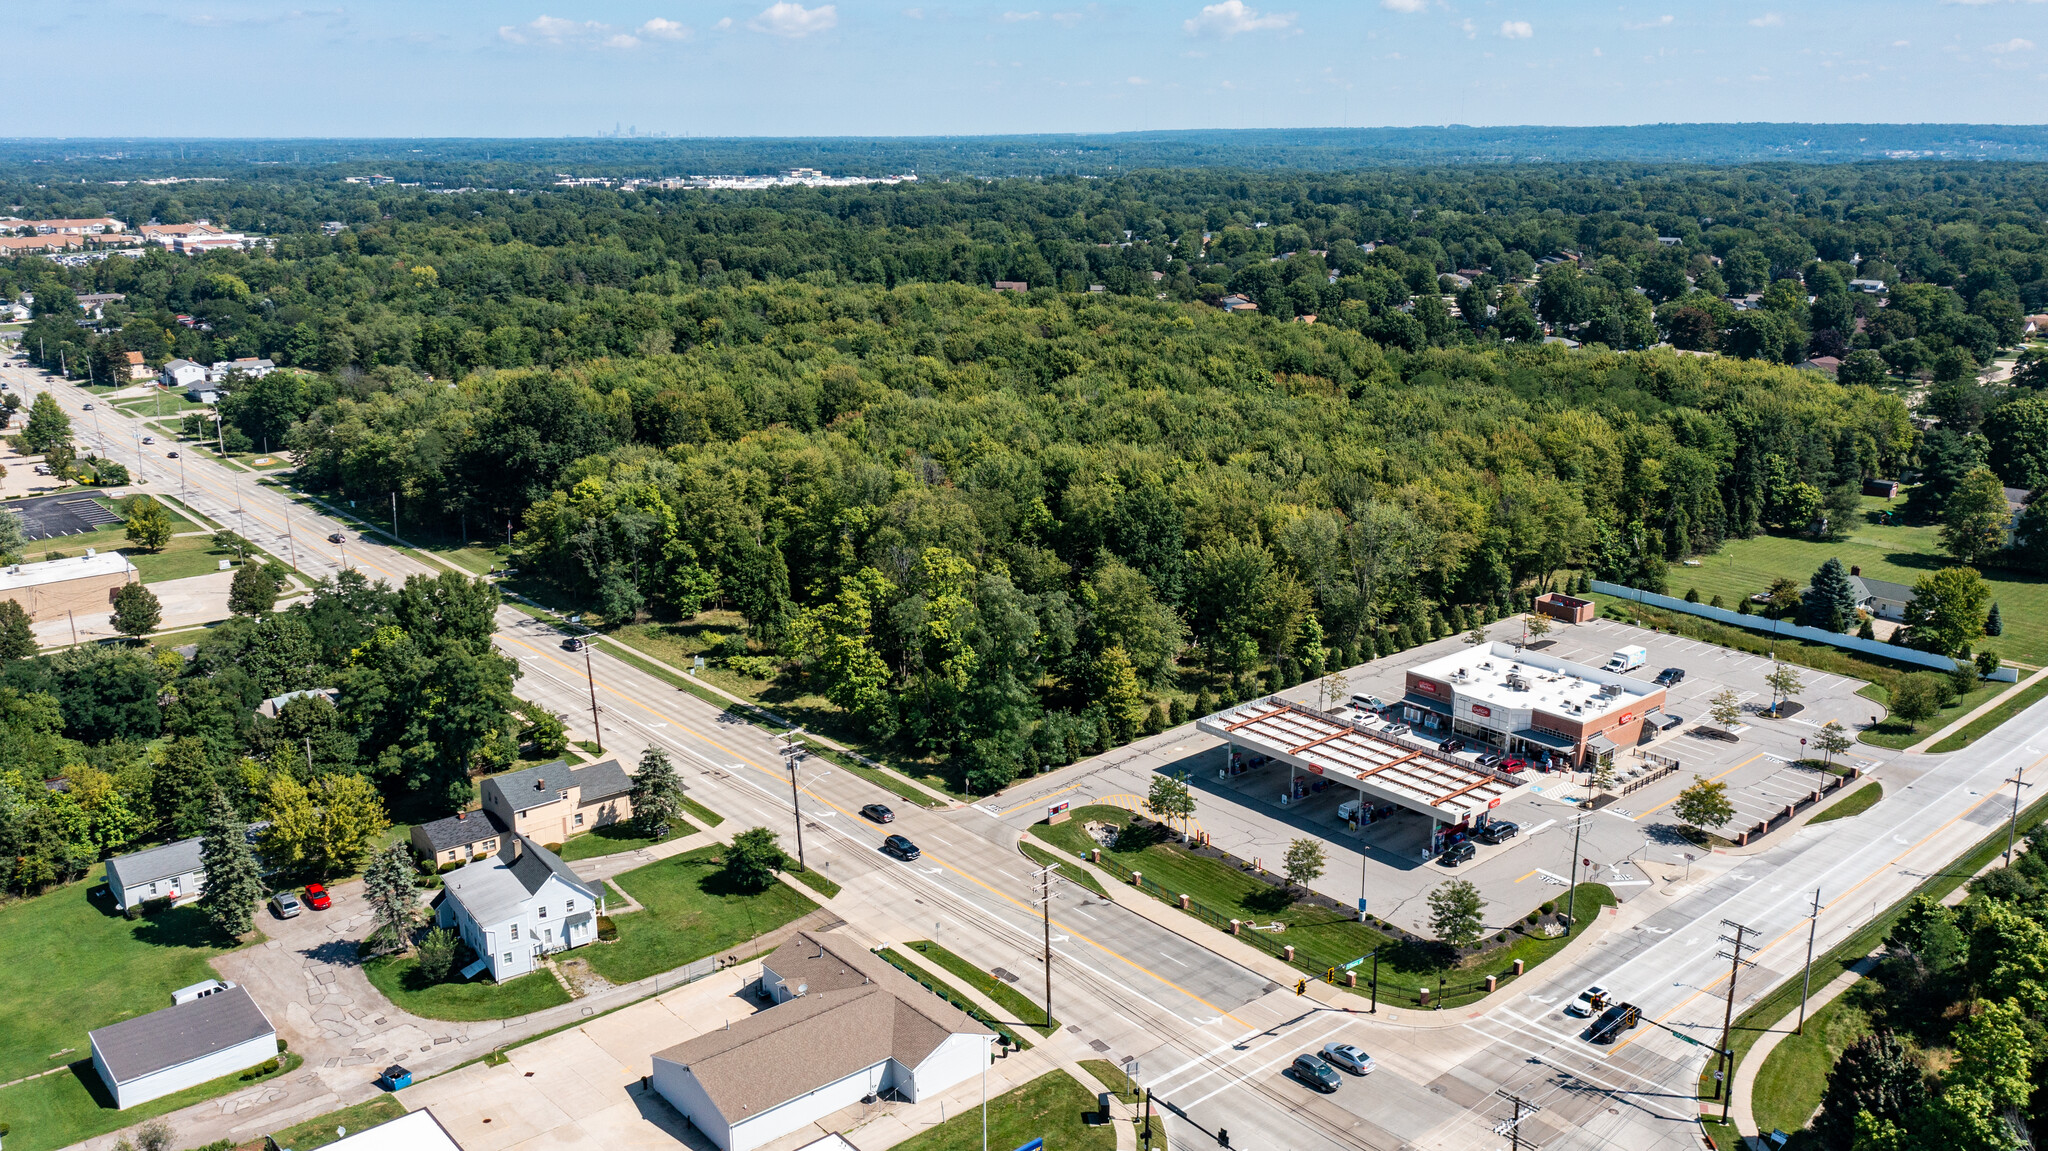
{"x":1674,"y":799}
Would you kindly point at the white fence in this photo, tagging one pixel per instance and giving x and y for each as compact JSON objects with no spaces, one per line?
{"x":1795,"y":631}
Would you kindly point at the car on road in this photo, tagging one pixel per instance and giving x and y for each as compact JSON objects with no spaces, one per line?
{"x":1512,"y":766}
{"x":317,"y":897}
{"x":901,"y":848}
{"x":333,"y":537}
{"x":1499,"y":831}
{"x":1619,"y":1018}
{"x":1317,"y":1074}
{"x":1457,"y":853}
{"x":149,"y":439}
{"x":88,"y":407}
{"x":575,"y":643}
{"x":879,"y":812}
{"x":1590,"y":1001}
{"x":1492,"y":759}
{"x":171,"y":455}
{"x":1451,"y":744}
{"x":1348,"y":1057}
{"x":1670,"y":675}
{"x":285,"y":905}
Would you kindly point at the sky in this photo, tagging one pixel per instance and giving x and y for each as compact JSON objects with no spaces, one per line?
{"x":525,"y":68}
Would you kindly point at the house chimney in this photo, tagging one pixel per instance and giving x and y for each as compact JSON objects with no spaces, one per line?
{"x":1855,"y":569}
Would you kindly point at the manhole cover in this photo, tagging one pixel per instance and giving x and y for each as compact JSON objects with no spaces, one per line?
{"x":1074,"y":1029}
{"x":1099,"y":1045}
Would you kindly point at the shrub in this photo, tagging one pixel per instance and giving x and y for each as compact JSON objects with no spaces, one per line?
{"x":449,"y":866}
{"x":553,"y":847}
{"x":607,"y":931}
{"x":283,"y":1045}
{"x":1549,"y":905}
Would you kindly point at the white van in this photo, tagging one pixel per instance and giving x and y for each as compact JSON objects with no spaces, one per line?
{"x":201,"y":990}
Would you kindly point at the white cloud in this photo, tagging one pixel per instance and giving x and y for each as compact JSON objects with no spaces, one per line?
{"x":724,"y":22}
{"x":554,"y":31}
{"x":790,"y":19}
{"x":1232,"y":16}
{"x":1471,"y":30}
{"x":2013,"y":45}
{"x":1020,"y":17}
{"x":1516,"y":30}
{"x":1659,"y":22}
{"x":660,"y":29}
{"x":1409,"y":6}
{"x":913,"y":13}
{"x":1767,"y":20}
{"x":1067,"y":19}
{"x":1902,"y":43}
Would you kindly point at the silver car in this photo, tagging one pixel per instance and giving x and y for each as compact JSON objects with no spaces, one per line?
{"x":1348,"y":1057}
{"x":285,"y":905}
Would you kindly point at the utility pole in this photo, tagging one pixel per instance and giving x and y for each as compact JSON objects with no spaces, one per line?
{"x":1724,"y":1085}
{"x":791,"y":749}
{"x":1806,"y":985}
{"x":2012,"y":828}
{"x":1375,"y":982}
{"x":394,"y":514}
{"x":591,"y":675}
{"x":1513,"y":1127}
{"x":1045,"y":907}
{"x":1571,"y":899}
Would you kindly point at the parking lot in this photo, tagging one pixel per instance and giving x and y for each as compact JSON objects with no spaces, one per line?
{"x":1254,"y":815}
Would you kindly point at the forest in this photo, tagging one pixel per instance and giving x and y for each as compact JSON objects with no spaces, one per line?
{"x":999,"y":529}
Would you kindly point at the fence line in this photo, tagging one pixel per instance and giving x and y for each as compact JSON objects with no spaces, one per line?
{"x":1664,"y":772}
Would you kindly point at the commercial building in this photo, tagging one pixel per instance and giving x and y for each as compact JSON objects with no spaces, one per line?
{"x":166,"y":1051}
{"x":1529,"y":704}
{"x":84,"y":583}
{"x":171,"y":871}
{"x":846,"y":1027}
{"x":413,"y":1131}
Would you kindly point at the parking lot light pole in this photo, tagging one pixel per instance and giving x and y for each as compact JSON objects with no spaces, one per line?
{"x":1571,"y":899}
{"x":790,"y":750}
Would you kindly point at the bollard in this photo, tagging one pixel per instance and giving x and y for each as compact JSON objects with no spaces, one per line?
{"x":1137,"y":879}
{"x":1492,"y":982}
{"x":1518,"y":967}
{"x":1183,"y":901}
{"x":1743,"y":841}
{"x":1287,"y":953}
{"x":1351,"y":979}
{"x":1423,"y":994}
{"x":1236,"y":928}
{"x":1095,"y":855}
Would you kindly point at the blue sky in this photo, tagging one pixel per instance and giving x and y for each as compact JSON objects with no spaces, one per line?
{"x":556,"y":67}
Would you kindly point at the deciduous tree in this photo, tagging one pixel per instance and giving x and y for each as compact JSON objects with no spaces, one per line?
{"x":149,"y":524}
{"x":753,"y":858}
{"x":136,"y":611}
{"x":1455,"y":908}
{"x":1704,"y":806}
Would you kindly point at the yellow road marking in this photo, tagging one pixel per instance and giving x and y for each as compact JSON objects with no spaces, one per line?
{"x":1532,"y":871}
{"x":1730,"y":771}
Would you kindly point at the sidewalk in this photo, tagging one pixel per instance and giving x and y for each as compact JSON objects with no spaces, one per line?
{"x":1740,"y":1116}
{"x":1960,"y":722}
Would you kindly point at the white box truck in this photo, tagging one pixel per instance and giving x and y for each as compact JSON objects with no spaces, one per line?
{"x":1627,"y":659}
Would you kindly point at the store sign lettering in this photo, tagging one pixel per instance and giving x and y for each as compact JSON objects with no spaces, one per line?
{"x":1627,"y":717}
{"x":1481,"y":709}
{"x":1425,"y":686}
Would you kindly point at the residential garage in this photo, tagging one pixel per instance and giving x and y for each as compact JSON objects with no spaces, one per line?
{"x":167,"y":1051}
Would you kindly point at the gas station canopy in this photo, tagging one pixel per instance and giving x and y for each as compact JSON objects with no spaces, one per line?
{"x":1412,"y":775}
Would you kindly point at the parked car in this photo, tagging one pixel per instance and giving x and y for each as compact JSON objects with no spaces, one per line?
{"x":878,"y":812}
{"x":317,"y":897}
{"x":1396,"y":729}
{"x":1316,"y":1073}
{"x":1669,"y":722}
{"x":1670,"y":675}
{"x":1492,"y":759}
{"x":1348,"y":1057}
{"x":1457,"y":853}
{"x":1368,"y":702}
{"x":1590,"y":1002}
{"x":1512,"y":766}
{"x":901,"y":848}
{"x":1499,"y":831}
{"x":1451,"y":744}
{"x":575,"y":643}
{"x":285,"y":905}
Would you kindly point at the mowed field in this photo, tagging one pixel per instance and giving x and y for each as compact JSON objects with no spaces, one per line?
{"x":1894,"y":552}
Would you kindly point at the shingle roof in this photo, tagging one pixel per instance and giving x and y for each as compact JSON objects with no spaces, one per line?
{"x":536,"y":863}
{"x":463,"y":827}
{"x":790,"y":1050}
{"x":496,"y":889}
{"x":535,"y":786}
{"x":155,"y":863}
{"x":137,"y":1047}
{"x":602,"y":780}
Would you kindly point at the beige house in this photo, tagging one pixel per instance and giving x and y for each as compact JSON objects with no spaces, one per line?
{"x":77,"y":584}
{"x":552,"y":802}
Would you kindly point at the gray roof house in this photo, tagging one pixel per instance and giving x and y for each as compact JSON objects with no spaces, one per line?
{"x":1881,"y":598}
{"x":183,"y":1046}
{"x":516,"y":906}
{"x":459,"y":837}
{"x":846,"y":1025}
{"x":172,"y":871}
{"x":555,"y":801}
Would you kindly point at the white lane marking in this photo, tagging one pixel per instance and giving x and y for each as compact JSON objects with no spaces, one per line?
{"x":1176,"y":959}
{"x":1246,"y":1077}
{"x":1596,"y":1081}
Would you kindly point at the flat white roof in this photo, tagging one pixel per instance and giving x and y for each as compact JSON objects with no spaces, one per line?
{"x":57,"y":571}
{"x":1498,"y":675}
{"x":413,"y":1131}
{"x":1413,"y":775}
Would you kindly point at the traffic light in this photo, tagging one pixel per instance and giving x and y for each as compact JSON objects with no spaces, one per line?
{"x":1330,"y":977}
{"x":1301,"y":987}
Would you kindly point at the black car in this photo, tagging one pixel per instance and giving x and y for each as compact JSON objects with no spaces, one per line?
{"x":1617,"y":1019}
{"x":901,"y":848}
{"x":1457,"y":853}
{"x":575,"y":643}
{"x":1670,"y":721}
{"x":337,"y":538}
{"x":1499,"y":831}
{"x":1451,"y":744}
{"x":880,"y":813}
{"x":1670,"y":675}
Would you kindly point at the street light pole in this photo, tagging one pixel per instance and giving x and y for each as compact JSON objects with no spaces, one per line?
{"x":790,"y":749}
{"x":1806,"y":984}
{"x":590,"y":674}
{"x":1571,"y":899}
{"x":2012,"y":828}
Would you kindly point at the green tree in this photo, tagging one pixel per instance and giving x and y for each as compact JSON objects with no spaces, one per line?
{"x":1118,"y":691}
{"x":1304,"y":861}
{"x":1862,"y":369}
{"x":136,"y":611}
{"x":393,"y":897}
{"x":233,"y":885}
{"x":11,"y":539}
{"x":1535,"y":625}
{"x":1915,"y":698}
{"x":2018,"y":435}
{"x":48,"y":428}
{"x":1875,"y":1077}
{"x":1993,"y":1053}
{"x":1726,"y":707}
{"x":436,"y":954}
{"x":17,"y":634}
{"x":1974,"y":517}
{"x":149,"y":525}
{"x":657,"y":791}
{"x":1947,"y":609}
{"x":1455,"y":908}
{"x":753,"y":859}
{"x":548,"y":735}
{"x":253,"y":591}
{"x":1704,"y":806}
{"x":837,"y":640}
{"x":1832,"y":741}
{"x":1785,"y":684}
{"x":1994,"y":624}
{"x":1830,"y":601}
{"x":1168,"y":798}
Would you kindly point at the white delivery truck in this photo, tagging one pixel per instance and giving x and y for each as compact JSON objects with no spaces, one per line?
{"x":1627,"y":659}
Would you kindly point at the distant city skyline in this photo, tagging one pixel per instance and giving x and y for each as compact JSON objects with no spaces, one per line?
{"x":657,"y":67}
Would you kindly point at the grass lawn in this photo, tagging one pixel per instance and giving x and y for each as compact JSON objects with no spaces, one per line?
{"x":320,"y":1131}
{"x":1790,"y":1083}
{"x":1111,"y":1076}
{"x":1895,"y":552}
{"x":692,"y":911}
{"x":616,"y":837}
{"x":1049,"y":1107}
{"x":59,"y":1110}
{"x":1322,"y":937}
{"x":705,"y":815}
{"x":951,"y":994}
{"x":1984,"y":724}
{"x":1855,"y":803}
{"x":1019,"y":1005}
{"x":1067,"y":871}
{"x":1897,"y":734}
{"x":70,"y":963}
{"x":810,"y":877}
{"x":398,"y":978}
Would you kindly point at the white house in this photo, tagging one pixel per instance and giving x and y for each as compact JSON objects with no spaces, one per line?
{"x":846,"y":1026}
{"x":249,"y":366}
{"x":172,"y":871}
{"x":516,"y":906}
{"x":154,"y":1055}
{"x":182,"y":374}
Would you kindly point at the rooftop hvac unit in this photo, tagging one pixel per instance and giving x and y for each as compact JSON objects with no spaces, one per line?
{"x":1610,"y":689}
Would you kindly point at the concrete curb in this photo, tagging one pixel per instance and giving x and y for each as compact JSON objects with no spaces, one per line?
{"x":1740,"y":1116}
{"x":1987,"y":706}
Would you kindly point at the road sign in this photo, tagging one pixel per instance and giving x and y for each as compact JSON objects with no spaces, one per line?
{"x":1056,"y":808}
{"x":1361,"y":959}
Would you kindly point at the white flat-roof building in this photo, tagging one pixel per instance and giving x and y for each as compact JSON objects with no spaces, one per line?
{"x":84,"y":583}
{"x":1529,"y":704}
{"x":413,"y":1131}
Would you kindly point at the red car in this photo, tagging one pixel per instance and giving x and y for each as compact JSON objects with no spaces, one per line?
{"x":317,"y":897}
{"x":1512,"y":765}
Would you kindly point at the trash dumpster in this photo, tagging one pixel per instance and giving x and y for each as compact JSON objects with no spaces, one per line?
{"x":394,"y":1078}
